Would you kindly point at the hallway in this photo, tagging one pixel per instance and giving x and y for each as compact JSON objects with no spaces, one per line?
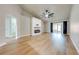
{"x":44,"y":44}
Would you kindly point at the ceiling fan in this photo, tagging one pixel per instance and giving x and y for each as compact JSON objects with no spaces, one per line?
{"x":48,"y":14}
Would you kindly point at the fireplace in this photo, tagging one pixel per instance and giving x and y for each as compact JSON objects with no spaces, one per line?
{"x":36,"y":31}
{"x":36,"y":26}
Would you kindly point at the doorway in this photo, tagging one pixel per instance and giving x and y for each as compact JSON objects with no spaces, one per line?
{"x":56,"y":27}
{"x":51,"y":27}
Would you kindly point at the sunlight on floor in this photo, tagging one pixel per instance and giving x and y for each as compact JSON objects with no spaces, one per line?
{"x":58,"y":41}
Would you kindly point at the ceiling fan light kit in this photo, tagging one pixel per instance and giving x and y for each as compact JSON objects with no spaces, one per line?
{"x":47,"y":14}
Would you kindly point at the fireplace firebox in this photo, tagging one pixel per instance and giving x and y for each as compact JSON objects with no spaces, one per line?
{"x":36,"y":31}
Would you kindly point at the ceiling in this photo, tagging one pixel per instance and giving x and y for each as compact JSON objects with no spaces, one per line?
{"x":61,"y":11}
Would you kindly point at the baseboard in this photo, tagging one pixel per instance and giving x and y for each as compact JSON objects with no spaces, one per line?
{"x":46,"y":32}
{"x":4,"y":43}
{"x":23,"y":36}
{"x":74,"y":45}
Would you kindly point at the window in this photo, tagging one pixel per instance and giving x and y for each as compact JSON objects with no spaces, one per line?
{"x":11,"y":26}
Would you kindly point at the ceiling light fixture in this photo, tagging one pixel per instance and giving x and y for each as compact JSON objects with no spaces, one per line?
{"x":48,"y":14}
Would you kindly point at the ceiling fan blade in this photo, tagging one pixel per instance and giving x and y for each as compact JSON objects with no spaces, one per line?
{"x":51,"y":14}
{"x":43,"y":13}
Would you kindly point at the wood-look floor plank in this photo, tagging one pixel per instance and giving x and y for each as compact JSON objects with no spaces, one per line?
{"x":44,"y":44}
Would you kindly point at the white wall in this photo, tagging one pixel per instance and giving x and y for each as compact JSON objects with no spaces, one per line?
{"x":48,"y":26}
{"x":44,"y":27}
{"x":25,"y":25}
{"x":68,"y":27}
{"x":74,"y":26}
{"x":23,"y":21}
{"x":42,"y":23}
